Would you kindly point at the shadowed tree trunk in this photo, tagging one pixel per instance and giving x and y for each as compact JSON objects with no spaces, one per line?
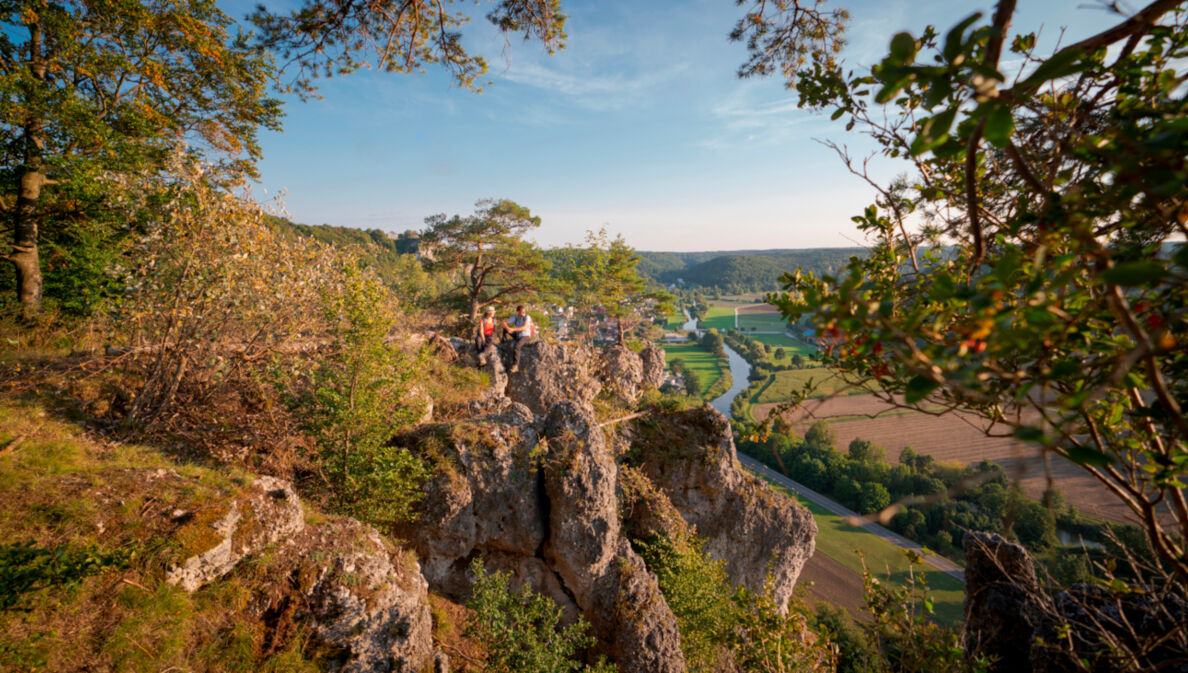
{"x":24,"y":255}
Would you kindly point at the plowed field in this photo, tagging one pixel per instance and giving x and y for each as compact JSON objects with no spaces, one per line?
{"x":958,"y":439}
{"x":833,"y":583}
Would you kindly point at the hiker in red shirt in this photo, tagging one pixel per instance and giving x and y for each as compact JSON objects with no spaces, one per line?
{"x":484,"y":339}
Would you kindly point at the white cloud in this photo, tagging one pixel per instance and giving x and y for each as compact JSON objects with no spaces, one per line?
{"x":592,"y":91}
{"x":750,"y":114}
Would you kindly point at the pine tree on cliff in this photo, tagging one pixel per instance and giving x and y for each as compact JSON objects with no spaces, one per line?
{"x":488,"y":255}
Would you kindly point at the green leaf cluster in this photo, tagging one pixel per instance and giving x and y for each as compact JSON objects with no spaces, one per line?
{"x":521,"y":630}
{"x":358,"y":395}
{"x":1028,"y":268}
{"x":25,"y":567}
{"x":728,"y":627}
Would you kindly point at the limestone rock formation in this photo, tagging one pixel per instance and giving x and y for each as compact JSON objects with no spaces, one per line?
{"x":621,"y":372}
{"x":1003,"y":600}
{"x":496,"y":375}
{"x":550,"y":374}
{"x":647,"y":512}
{"x":227,"y":532}
{"x":653,"y":364}
{"x":756,"y":530}
{"x":350,"y":590}
{"x":369,"y":601}
{"x":531,"y":484}
{"x":608,"y":580}
{"x":484,"y":495}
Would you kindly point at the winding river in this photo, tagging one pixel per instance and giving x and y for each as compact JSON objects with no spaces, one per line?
{"x":739,"y":370}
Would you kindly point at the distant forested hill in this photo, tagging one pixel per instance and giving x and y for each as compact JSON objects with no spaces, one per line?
{"x":402,"y":244}
{"x":392,"y":257}
{"x":742,"y":270}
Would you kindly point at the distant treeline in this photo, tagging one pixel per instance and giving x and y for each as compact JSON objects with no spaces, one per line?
{"x":391,"y":256}
{"x":740,"y":271}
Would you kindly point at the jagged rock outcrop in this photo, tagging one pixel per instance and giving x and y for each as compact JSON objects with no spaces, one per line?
{"x":484,"y":494}
{"x":532,"y":485}
{"x":621,"y":373}
{"x":645,"y":509}
{"x":1003,"y":600}
{"x":758,"y":532}
{"x":227,"y":532}
{"x":550,"y":374}
{"x":1012,"y":620}
{"x":496,"y":375}
{"x":368,"y":601}
{"x":626,"y":374}
{"x":653,"y":358}
{"x":337,"y":581}
{"x":544,"y":508}
{"x":609,"y":582}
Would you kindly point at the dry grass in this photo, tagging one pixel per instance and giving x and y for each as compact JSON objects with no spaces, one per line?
{"x":66,"y":490}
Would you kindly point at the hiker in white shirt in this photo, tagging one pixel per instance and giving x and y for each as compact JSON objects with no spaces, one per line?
{"x":521,"y":328}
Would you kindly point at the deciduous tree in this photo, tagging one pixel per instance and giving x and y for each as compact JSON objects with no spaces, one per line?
{"x":1059,"y":313}
{"x":327,"y":37}
{"x":90,"y":91}
{"x":603,"y":276}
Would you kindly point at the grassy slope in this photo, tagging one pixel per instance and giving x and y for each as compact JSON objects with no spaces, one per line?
{"x":839,"y":541}
{"x":842,"y":542}
{"x":696,"y":358}
{"x":125,"y":619}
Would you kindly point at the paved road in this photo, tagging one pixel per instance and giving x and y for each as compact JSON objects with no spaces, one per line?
{"x":939,"y":562}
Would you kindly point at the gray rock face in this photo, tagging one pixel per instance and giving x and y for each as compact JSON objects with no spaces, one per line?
{"x":609,"y":582}
{"x":266,"y":511}
{"x":484,"y":494}
{"x":757,"y":531}
{"x":547,"y":512}
{"x":621,"y":372}
{"x":354,"y":593}
{"x":1003,"y":600}
{"x":370,"y":603}
{"x":653,"y":364}
{"x":646,"y":510}
{"x":551,"y":374}
{"x":496,"y":375}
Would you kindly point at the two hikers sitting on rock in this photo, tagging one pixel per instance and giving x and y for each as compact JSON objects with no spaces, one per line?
{"x":519,"y":328}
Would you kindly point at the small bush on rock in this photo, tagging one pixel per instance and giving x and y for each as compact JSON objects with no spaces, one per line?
{"x":521,"y":630}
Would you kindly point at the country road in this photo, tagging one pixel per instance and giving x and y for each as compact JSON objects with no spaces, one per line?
{"x":939,"y":562}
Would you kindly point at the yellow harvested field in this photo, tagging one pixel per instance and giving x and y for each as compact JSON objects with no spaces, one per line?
{"x":957,"y":439}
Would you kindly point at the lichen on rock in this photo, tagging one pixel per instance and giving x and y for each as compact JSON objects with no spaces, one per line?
{"x":266,"y":511}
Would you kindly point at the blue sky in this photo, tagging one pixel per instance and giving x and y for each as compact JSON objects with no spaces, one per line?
{"x":639,"y":125}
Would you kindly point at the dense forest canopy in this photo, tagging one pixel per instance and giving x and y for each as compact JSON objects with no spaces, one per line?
{"x":742,"y":270}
